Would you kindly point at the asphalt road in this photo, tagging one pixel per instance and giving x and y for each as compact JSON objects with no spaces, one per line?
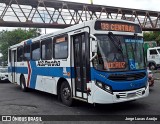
{"x":15,"y":102}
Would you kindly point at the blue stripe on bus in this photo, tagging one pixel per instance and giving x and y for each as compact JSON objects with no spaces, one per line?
{"x":42,"y":71}
{"x":95,"y":75}
{"x":23,"y":70}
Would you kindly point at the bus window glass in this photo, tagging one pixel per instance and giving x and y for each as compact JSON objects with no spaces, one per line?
{"x":122,"y":54}
{"x":19,"y":54}
{"x":36,"y":51}
{"x":61,"y":48}
{"x":46,"y":46}
{"x":26,"y":52}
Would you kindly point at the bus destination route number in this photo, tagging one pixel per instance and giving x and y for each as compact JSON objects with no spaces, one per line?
{"x":117,"y":26}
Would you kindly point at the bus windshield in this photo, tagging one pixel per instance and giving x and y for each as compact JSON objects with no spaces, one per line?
{"x":119,"y":53}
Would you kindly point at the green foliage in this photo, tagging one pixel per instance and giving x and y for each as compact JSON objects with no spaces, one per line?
{"x":152,"y":36}
{"x":9,"y":38}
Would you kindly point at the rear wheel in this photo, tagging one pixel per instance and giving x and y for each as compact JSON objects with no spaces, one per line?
{"x":65,"y":93}
{"x":23,"y":84}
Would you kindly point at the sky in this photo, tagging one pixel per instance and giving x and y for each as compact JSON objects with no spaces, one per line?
{"x":152,"y":5}
{"x":137,"y":4}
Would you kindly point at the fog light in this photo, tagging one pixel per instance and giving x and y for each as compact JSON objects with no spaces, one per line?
{"x":118,"y":96}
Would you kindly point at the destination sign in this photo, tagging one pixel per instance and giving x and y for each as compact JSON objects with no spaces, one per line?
{"x":117,"y":26}
{"x":115,"y":65}
{"x":61,"y":39}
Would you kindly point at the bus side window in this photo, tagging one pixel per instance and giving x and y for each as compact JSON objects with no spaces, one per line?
{"x":35,"y":48}
{"x":61,"y":47}
{"x":46,"y":49}
{"x":20,"y":54}
{"x":27,"y":53}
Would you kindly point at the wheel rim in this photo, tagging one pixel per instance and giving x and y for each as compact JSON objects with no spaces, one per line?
{"x":66,"y":93}
{"x":152,"y":67}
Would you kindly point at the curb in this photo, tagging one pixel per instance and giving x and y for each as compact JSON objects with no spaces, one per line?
{"x":157,"y":71}
{"x":156,"y":78}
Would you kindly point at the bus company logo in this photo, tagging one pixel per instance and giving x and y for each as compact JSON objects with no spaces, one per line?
{"x":132,"y":85}
{"x":48,"y":63}
{"x":6,"y":118}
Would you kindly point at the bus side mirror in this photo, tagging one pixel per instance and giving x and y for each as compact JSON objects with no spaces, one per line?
{"x":93,"y":43}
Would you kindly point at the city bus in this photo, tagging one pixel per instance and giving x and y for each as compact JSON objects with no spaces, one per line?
{"x":97,"y":61}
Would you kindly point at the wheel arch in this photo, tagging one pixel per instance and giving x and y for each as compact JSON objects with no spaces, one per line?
{"x":150,"y":62}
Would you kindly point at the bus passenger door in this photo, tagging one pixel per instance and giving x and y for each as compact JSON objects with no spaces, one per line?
{"x":13,"y":65}
{"x":81,"y":64}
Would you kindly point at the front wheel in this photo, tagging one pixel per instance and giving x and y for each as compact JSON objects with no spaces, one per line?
{"x":152,"y":66}
{"x":23,"y":84}
{"x":65,"y":93}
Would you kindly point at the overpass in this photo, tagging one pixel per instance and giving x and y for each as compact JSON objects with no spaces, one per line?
{"x":61,"y":14}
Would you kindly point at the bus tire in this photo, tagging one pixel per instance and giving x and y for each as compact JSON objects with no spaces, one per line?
{"x":65,"y":93}
{"x":23,"y":84}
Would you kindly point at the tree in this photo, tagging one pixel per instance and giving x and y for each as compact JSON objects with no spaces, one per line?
{"x":152,"y":36}
{"x":9,"y":38}
{"x":158,"y":40}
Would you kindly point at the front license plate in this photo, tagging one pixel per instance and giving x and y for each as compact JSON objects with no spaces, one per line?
{"x":129,"y":95}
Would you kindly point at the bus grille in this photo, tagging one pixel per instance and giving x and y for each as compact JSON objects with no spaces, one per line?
{"x":127,"y":77}
{"x":129,"y":95}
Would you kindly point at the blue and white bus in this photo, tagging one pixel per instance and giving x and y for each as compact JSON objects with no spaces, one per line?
{"x":97,"y":61}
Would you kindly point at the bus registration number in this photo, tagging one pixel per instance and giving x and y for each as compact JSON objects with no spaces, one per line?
{"x":129,"y":95}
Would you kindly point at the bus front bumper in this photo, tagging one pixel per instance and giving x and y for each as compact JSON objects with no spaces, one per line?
{"x":103,"y":97}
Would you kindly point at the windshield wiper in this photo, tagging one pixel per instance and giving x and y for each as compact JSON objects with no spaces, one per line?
{"x":116,"y":42}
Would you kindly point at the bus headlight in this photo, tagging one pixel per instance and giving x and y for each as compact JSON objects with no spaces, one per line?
{"x":107,"y":87}
{"x":104,"y":86}
{"x":99,"y":84}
